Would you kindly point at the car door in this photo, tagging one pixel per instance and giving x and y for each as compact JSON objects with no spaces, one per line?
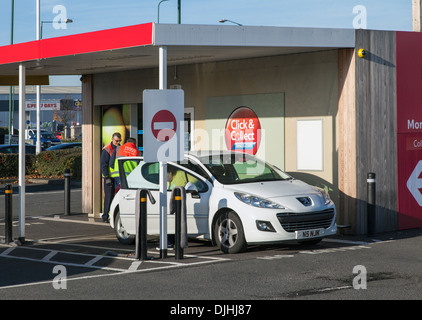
{"x":197,"y":201}
{"x":146,"y":176}
{"x":130,"y":182}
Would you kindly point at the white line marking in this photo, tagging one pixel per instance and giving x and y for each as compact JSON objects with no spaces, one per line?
{"x":163,"y":125}
{"x":49,"y":256}
{"x":124,"y":272}
{"x":6,"y":252}
{"x":91,"y":262}
{"x":134,"y":266}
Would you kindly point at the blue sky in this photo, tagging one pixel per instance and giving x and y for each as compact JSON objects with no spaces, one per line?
{"x":92,"y":15}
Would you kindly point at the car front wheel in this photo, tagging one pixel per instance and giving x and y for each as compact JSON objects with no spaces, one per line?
{"x":228,"y":233}
{"x":122,"y":235}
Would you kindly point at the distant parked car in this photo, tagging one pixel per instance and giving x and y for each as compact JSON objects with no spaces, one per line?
{"x":14,"y":148}
{"x":69,"y":145}
{"x":47,"y":138}
{"x":58,"y":134}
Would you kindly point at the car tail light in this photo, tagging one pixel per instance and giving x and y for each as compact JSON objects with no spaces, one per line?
{"x":117,"y":189}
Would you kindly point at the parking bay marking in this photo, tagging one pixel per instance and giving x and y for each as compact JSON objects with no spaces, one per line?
{"x":133,"y":266}
{"x":318,"y":251}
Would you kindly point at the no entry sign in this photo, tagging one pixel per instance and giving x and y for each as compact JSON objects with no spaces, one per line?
{"x":163,"y":125}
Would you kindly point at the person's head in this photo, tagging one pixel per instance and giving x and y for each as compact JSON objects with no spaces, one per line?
{"x":116,"y":139}
{"x":171,"y":172}
{"x":133,"y":140}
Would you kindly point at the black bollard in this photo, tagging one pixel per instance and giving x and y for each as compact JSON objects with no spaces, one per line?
{"x":67,"y":192}
{"x":143,"y":225}
{"x":370,"y":211}
{"x":178,"y":250}
{"x":8,"y":214}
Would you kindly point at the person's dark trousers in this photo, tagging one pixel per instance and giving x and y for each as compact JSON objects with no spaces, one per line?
{"x":108,"y":197}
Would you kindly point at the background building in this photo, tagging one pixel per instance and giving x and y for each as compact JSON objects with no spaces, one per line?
{"x":335,"y":104}
{"x":55,"y":102}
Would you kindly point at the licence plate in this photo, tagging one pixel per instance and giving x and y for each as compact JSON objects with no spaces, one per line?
{"x":306,"y":234}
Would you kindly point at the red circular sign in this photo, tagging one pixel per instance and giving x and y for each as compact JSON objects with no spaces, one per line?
{"x":243,"y":131}
{"x":163,"y":125}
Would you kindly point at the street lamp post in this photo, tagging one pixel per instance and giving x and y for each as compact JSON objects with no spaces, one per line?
{"x":226,"y":20}
{"x":179,"y":11}
{"x":42,"y":25}
{"x":11,"y":91}
{"x":158,"y":15}
{"x":38,"y":87}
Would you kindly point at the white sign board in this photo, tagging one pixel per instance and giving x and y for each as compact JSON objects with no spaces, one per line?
{"x":44,"y":106}
{"x":163,"y":125}
{"x":309,"y":145}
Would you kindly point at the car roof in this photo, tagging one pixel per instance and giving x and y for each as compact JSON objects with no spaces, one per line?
{"x":199,"y":154}
{"x":14,"y":145}
{"x":203,"y":153}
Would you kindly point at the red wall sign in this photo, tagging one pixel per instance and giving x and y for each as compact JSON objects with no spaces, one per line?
{"x":409,"y":129}
{"x":243,"y":131}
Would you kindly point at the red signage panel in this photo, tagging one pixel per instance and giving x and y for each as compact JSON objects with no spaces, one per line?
{"x":409,"y":129}
{"x":243,"y":131}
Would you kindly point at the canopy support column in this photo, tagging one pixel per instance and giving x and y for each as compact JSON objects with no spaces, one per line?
{"x":22,"y":83}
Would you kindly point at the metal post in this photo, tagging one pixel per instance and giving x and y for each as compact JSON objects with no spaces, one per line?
{"x":8,"y":214}
{"x":163,"y":165}
{"x":371,"y":214}
{"x":67,"y":192}
{"x":38,"y":88}
{"x":179,"y":11}
{"x":22,"y":93}
{"x":142,"y":227}
{"x":178,"y":231}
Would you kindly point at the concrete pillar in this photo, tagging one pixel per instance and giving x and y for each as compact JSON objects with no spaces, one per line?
{"x":416,"y":15}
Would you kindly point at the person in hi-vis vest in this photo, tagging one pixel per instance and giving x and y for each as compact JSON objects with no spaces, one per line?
{"x":129,"y":149}
{"x":108,"y":182}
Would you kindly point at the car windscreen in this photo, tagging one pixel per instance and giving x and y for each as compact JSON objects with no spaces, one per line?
{"x":241,"y":168}
{"x":48,"y":136}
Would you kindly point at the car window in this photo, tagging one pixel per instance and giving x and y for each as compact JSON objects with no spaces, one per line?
{"x":147,"y":176}
{"x":30,"y":149}
{"x":8,"y":150}
{"x":241,"y":168}
{"x":47,"y":135}
{"x":195,"y":168}
{"x":177,"y":177}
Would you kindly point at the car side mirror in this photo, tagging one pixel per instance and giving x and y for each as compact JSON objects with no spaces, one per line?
{"x":193,"y":190}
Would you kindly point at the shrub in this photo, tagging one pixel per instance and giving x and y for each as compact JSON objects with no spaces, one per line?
{"x":9,"y":165}
{"x":54,"y":163}
{"x":45,"y":164}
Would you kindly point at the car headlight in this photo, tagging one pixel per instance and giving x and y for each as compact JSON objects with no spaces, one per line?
{"x":325,"y":196}
{"x":257,"y":201}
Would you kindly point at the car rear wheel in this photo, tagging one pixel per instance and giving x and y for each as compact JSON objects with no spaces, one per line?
{"x":122,"y":235}
{"x":228,"y":233}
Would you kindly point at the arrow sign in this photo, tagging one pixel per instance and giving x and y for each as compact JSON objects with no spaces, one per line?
{"x":414,"y":184}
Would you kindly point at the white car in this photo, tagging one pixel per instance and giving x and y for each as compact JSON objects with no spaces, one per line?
{"x":233,"y":199}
